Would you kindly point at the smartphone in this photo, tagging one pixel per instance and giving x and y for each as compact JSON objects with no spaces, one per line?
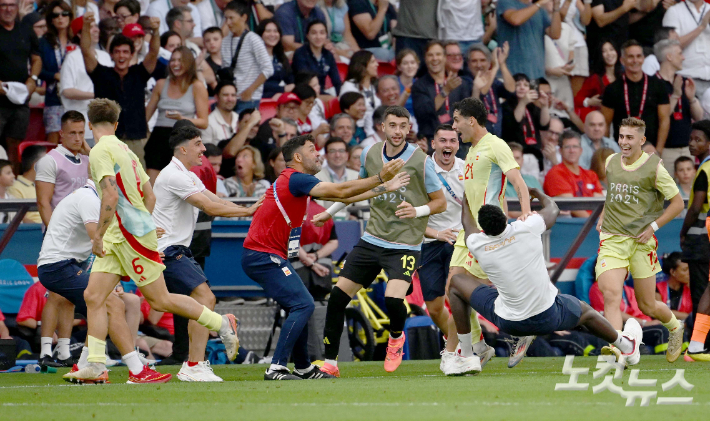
{"x":534,"y":85}
{"x":171,"y":112}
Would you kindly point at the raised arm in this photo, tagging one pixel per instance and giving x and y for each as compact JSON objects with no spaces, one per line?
{"x":549,"y":209}
{"x":109,"y":201}
{"x":340,"y":191}
{"x":87,"y":52}
{"x":151,"y":59}
{"x":367,"y":25}
{"x":212,"y":205}
{"x":400,"y":180}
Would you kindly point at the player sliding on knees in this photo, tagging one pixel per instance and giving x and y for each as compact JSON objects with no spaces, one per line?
{"x":392,"y":240}
{"x":274,"y":237}
{"x":178,"y":191}
{"x":125,"y":244}
{"x":66,"y":245}
{"x":522,"y":301}
{"x":633,"y":212}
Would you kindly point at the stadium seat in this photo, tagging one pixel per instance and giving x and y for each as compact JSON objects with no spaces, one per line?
{"x":14,"y":282}
{"x":332,"y":108}
{"x":421,"y":339}
{"x":385,"y":68}
{"x":267,"y":108}
{"x":27,"y":143}
{"x":343,"y":71}
{"x":35,"y":130}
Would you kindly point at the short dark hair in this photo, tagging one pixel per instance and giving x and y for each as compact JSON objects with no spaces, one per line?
{"x":31,"y":155}
{"x":472,"y":107}
{"x":332,"y":140}
{"x":166,"y":36}
{"x":73,"y":116}
{"x":445,"y":127}
{"x":628,"y":44}
{"x":396,"y":111}
{"x":315,"y":22}
{"x":671,"y":262}
{"x":175,"y":14}
{"x":304,"y":77}
{"x":212,"y":150}
{"x":239,"y":7}
{"x":492,"y":220}
{"x":245,"y":112}
{"x":121,"y":39}
{"x":293,"y":145}
{"x":348,"y":99}
{"x":212,"y":30}
{"x":570,"y":134}
{"x":223,"y":84}
{"x":542,"y":81}
{"x":4,"y":163}
{"x":378,"y":116}
{"x":520,"y":77}
{"x":664,"y":32}
{"x":182,"y":135}
{"x":703,"y":126}
{"x":304,"y":91}
{"x":682,"y":159}
{"x":132,"y":5}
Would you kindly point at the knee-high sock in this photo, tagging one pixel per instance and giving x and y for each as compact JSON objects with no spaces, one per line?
{"x":334,"y":320}
{"x":398,"y":314}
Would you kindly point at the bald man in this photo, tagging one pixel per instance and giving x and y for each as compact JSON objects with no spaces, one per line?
{"x":593,"y":138}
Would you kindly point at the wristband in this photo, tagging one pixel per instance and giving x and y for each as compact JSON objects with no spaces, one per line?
{"x":379,"y":177}
{"x":654,"y":225}
{"x":317,"y":257}
{"x":422,"y":211}
{"x":335,"y":208}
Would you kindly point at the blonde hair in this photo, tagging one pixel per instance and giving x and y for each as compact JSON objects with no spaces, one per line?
{"x":634,"y":122}
{"x":103,"y":110}
{"x":256,"y":158}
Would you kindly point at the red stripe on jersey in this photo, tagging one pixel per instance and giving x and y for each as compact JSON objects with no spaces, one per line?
{"x":502,"y":186}
{"x":137,"y":246}
{"x":119,"y":181}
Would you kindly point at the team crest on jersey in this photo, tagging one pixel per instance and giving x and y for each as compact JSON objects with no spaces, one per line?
{"x":79,"y":273}
{"x":478,"y":156}
{"x":603,"y":262}
{"x":286,"y":271}
{"x":460,"y":177}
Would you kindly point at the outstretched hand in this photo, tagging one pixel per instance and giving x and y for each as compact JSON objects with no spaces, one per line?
{"x":320,"y":219}
{"x":391,"y":168}
{"x":400,"y":180}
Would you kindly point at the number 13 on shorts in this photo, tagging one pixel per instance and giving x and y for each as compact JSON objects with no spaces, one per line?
{"x":408,"y":262}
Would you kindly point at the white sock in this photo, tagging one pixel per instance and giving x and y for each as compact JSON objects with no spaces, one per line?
{"x":305,"y":370}
{"x":133,"y":362}
{"x":334,"y":363}
{"x":624,"y":344}
{"x":480,"y":347}
{"x":63,"y":349}
{"x":465,"y":344}
{"x":46,"y":346}
{"x":696,"y":346}
{"x":83,"y":358}
{"x":276,"y":367}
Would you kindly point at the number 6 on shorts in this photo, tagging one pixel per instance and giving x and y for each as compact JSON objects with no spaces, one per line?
{"x":138,"y":269}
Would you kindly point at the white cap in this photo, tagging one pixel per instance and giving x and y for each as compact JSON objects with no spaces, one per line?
{"x":16,"y":92}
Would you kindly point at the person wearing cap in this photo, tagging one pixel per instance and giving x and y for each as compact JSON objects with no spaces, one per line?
{"x":272,"y":132}
{"x":135,"y":32}
{"x":77,"y":89}
{"x":123,"y":83}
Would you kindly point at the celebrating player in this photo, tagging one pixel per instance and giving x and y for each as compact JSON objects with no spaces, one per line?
{"x":489,"y":163}
{"x":178,"y":191}
{"x":128,"y":245}
{"x":524,"y":302}
{"x":392,"y":240}
{"x":632,"y":213}
{"x":66,"y":245}
{"x":274,"y":237}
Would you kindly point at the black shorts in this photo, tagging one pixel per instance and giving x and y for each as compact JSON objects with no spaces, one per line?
{"x":157,"y":151}
{"x":366,"y":260}
{"x":68,"y":279}
{"x":436,"y":257}
{"x":182,"y":273}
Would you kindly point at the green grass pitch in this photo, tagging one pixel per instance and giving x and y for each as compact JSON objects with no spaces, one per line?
{"x":416,"y":391}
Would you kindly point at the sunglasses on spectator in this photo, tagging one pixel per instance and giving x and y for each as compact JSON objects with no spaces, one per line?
{"x":65,"y":14}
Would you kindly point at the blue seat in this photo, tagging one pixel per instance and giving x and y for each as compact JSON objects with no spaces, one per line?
{"x":14,"y":282}
{"x":432,"y":342}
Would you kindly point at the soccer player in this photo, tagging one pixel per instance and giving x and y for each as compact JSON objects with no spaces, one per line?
{"x":274,"y":238}
{"x":694,"y":241}
{"x":66,"y":246}
{"x":178,"y":192}
{"x":127,"y":245}
{"x":392,"y":240}
{"x":522,"y":301}
{"x":489,"y":164}
{"x":633,"y":211}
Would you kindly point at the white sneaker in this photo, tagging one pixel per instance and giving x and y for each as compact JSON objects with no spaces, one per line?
{"x":634,"y":332}
{"x":446,"y":360}
{"x":486,"y":355}
{"x":521,"y":347}
{"x":229,"y":335}
{"x":459,"y":365}
{"x":202,"y":372}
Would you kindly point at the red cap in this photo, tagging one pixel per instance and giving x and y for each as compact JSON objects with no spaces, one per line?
{"x":77,"y":24}
{"x":133,"y":30}
{"x":288,"y":97}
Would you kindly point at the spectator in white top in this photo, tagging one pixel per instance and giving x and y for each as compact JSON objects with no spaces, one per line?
{"x":180,"y":20}
{"x":361,"y":78}
{"x":127,"y":12}
{"x":252,"y":65}
{"x":160,"y":9}
{"x":335,"y":169}
{"x":651,"y":66}
{"x":77,"y":89}
{"x":576,"y":12}
{"x":378,"y":135}
{"x":690,"y":19}
{"x":560,"y":61}
{"x":211,"y":12}
{"x":460,"y":20}
{"x":222,"y":122}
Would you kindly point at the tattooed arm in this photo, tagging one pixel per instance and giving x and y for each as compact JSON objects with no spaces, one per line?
{"x":399,"y":181}
{"x":109,"y":201}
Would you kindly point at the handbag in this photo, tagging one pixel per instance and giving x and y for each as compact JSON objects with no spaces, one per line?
{"x":226,"y":74}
